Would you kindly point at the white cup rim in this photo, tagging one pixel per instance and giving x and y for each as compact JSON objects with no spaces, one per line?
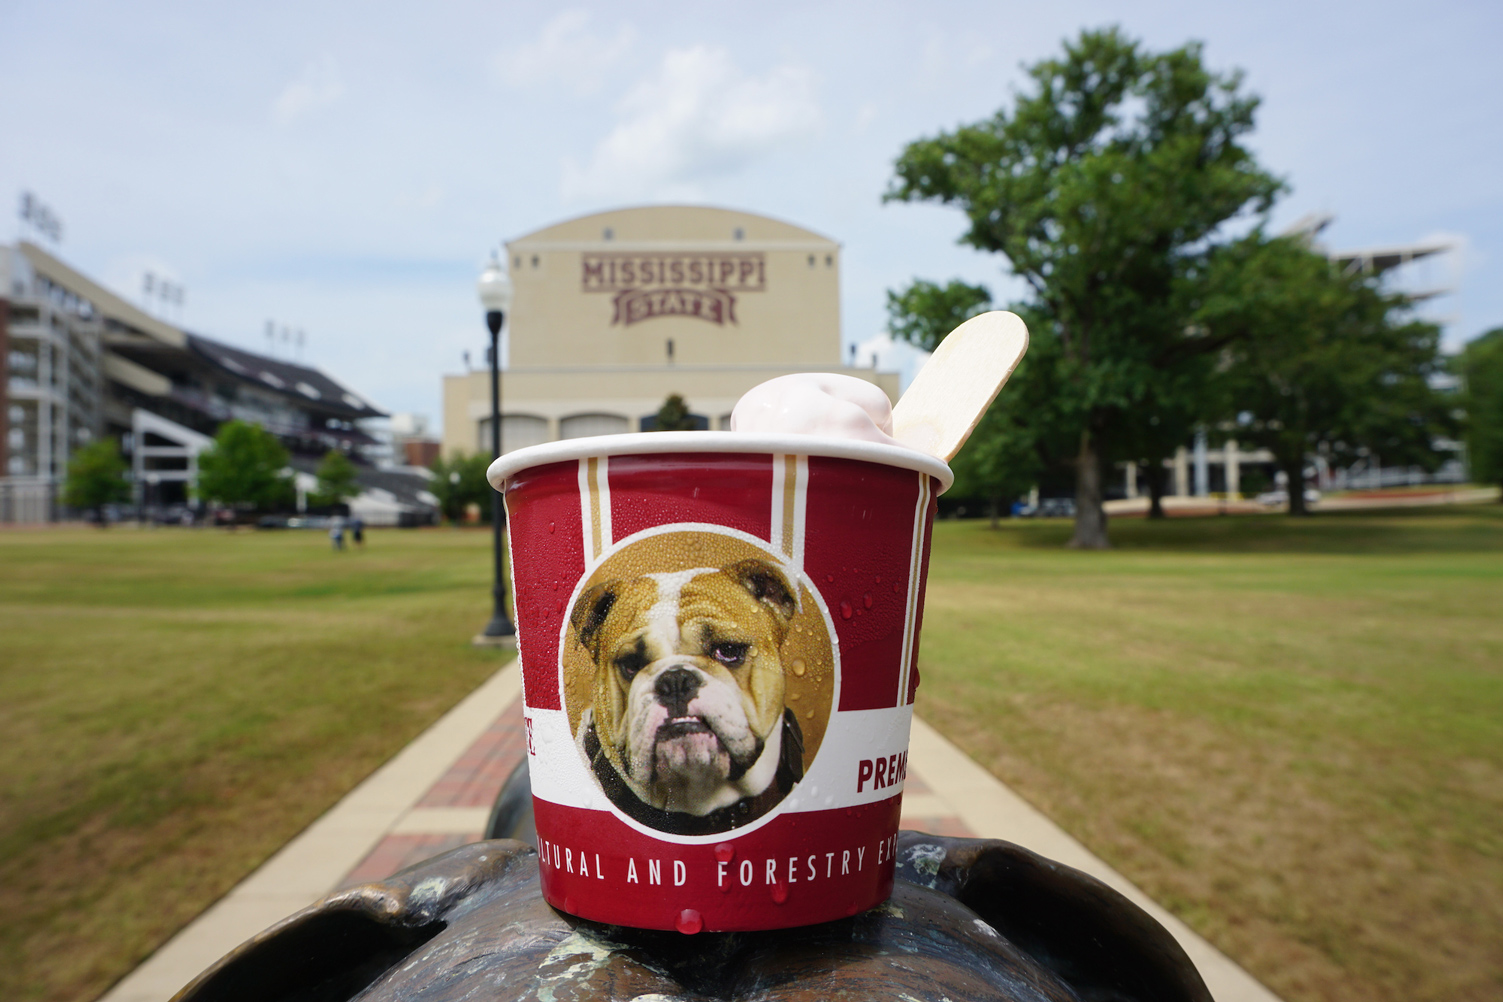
{"x":658,"y":442}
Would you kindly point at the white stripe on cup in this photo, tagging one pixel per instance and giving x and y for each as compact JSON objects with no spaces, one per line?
{"x":915,"y":572}
{"x":790,"y":499}
{"x":595,"y":507}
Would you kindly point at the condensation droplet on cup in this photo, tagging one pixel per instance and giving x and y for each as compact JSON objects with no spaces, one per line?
{"x":779,"y":893}
{"x":551,"y":527}
{"x":798,"y":666}
{"x":725,"y":852}
{"x":866,"y":600}
{"x":689,"y":922}
{"x":845,"y":610}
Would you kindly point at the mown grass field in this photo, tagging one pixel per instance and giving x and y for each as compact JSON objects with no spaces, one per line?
{"x":1291,"y":733}
{"x":177,"y":704}
{"x":1288,"y":732}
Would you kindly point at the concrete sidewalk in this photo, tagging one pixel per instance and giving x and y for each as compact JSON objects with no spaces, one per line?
{"x":1353,"y":501}
{"x":437,"y":792}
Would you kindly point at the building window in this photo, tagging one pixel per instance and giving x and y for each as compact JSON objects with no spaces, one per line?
{"x":609,"y":233}
{"x":585,"y":425}
{"x":518,"y":431}
{"x":697,"y":422}
{"x":738,"y":234}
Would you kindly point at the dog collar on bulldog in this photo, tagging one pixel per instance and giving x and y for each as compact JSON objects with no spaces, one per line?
{"x":744,"y":811}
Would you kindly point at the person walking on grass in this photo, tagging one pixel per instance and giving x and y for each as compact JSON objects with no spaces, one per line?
{"x":336,"y":533}
{"x":357,"y":531}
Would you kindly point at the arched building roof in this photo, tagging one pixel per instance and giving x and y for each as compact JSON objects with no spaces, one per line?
{"x":679,"y":224}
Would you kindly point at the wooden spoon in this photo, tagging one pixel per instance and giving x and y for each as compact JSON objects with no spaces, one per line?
{"x":946,"y":399}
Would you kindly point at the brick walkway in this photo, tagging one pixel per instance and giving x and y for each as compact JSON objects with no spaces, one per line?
{"x":454,"y":810}
{"x":436,"y":795}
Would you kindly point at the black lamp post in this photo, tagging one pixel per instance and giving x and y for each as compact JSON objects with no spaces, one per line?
{"x":495,"y":296}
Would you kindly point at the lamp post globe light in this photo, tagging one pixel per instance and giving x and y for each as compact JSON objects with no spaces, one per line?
{"x":495,"y":296}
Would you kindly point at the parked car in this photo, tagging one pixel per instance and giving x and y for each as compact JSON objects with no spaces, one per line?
{"x":294,"y":521}
{"x":173,"y":514}
{"x":1046,"y":508}
{"x":1279,"y":497}
{"x":1057,"y":508}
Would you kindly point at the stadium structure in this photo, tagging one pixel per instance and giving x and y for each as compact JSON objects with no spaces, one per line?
{"x":78,"y":362}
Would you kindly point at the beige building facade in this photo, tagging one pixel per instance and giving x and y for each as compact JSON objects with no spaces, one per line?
{"x":615,"y":311}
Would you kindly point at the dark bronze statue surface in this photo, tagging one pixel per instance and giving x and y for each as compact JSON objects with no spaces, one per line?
{"x":968,"y":919}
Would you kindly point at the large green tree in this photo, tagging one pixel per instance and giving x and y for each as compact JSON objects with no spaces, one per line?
{"x":1320,"y":358}
{"x":336,"y":479}
{"x":674,"y":415}
{"x":1100,"y":186}
{"x":1482,"y":377}
{"x":459,"y":482}
{"x":96,"y":477}
{"x":925,"y":312}
{"x":1010,"y":447}
{"x":246,"y":469}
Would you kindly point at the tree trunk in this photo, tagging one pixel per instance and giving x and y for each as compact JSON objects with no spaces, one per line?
{"x":1294,"y":472}
{"x":996,"y":511}
{"x":1156,"y":476}
{"x":1090,"y":516}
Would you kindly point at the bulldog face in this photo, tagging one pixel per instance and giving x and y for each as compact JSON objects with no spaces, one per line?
{"x":688,"y":693}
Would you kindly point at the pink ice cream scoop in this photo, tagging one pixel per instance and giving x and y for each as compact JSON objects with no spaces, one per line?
{"x":816,"y":403}
{"x":937,"y":413}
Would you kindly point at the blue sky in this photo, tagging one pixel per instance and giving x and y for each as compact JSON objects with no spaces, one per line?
{"x":345,"y":169}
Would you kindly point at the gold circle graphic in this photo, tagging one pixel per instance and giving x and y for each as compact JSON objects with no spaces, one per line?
{"x":806,"y":653}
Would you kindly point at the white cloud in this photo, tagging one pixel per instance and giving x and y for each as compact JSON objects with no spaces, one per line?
{"x":697,"y":117}
{"x":430,"y":196}
{"x":936,"y":59}
{"x":978,"y":53}
{"x":566,"y":51}
{"x":318,"y":86}
{"x":948,"y":61}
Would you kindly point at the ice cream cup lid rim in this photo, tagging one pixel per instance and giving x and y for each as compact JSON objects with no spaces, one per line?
{"x":657,"y":442}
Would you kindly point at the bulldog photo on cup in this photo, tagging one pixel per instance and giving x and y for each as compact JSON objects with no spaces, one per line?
{"x":688,"y":730}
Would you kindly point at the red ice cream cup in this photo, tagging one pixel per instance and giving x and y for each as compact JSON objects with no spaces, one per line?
{"x":719,"y":643}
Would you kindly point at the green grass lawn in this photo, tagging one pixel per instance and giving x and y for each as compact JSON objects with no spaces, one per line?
{"x":1290,"y":732}
{"x":178,"y":704}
